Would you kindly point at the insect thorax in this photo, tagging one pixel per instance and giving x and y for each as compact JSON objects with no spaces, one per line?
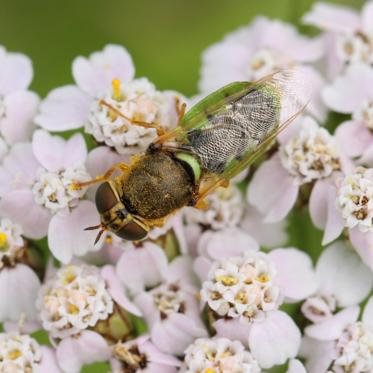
{"x":157,"y":186}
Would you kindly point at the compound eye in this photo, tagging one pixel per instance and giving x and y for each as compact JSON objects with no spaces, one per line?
{"x":132,"y":232}
{"x":105,"y":198}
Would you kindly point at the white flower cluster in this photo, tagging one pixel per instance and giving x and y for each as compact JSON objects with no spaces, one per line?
{"x":311,"y":155}
{"x":169,"y":299}
{"x":365,"y":114}
{"x":18,"y":353}
{"x":11,"y":242}
{"x":54,"y":190}
{"x":355,"y":47}
{"x":74,"y":300}
{"x":219,"y":355}
{"x":355,"y":350}
{"x":111,"y":117}
{"x":242,"y":287}
{"x":355,"y":199}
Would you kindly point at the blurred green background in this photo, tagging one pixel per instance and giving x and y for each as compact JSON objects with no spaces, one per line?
{"x":165,"y":38}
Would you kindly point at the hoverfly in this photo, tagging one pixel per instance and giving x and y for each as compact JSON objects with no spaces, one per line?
{"x":214,"y":141}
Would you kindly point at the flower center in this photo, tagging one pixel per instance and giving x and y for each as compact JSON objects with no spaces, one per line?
{"x":355,"y":199}
{"x":352,"y":48}
{"x":219,"y":355}
{"x":263,"y":62}
{"x":319,"y":307}
{"x":354,"y":349}
{"x":365,"y":114}
{"x":311,"y":155}
{"x":11,"y":242}
{"x":74,"y":300}
{"x":225,"y":210}
{"x":169,"y":299}
{"x":242,"y":287}
{"x":112,"y":116}
{"x":54,"y":191}
{"x":130,"y":357}
{"x":18,"y":353}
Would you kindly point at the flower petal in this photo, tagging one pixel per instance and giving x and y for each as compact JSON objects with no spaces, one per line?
{"x":274,"y":340}
{"x":363,"y":244}
{"x":318,"y":204}
{"x":295,"y":274}
{"x":63,"y":109}
{"x":21,"y":208}
{"x":48,"y":362}
{"x":234,"y":329}
{"x":332,"y":327}
{"x":340,"y":272}
{"x":368,"y":314}
{"x":276,"y":203}
{"x":95,"y":74}
{"x":295,"y":366}
{"x":21,"y":108}
{"x":15,"y":73}
{"x":86,"y":348}
{"x":66,"y":234}
{"x":367,"y":16}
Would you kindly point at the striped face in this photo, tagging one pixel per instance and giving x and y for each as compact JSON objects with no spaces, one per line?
{"x":114,"y":215}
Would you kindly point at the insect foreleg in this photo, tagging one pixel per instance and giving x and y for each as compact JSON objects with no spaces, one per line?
{"x":99,"y":179}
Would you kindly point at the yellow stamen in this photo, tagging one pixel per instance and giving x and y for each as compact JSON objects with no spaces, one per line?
{"x":209,"y":370}
{"x":263,"y":277}
{"x":109,"y":239}
{"x":69,"y":276}
{"x":72,"y":309}
{"x":3,"y":241}
{"x":117,"y":95}
{"x":227,"y":280}
{"x":14,"y":354}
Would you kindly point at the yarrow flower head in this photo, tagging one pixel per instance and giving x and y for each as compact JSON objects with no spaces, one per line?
{"x":355,"y":200}
{"x":311,"y":155}
{"x":219,"y":355}
{"x":242,"y":287}
{"x":19,"y":353}
{"x":11,"y":242}
{"x":74,"y":300}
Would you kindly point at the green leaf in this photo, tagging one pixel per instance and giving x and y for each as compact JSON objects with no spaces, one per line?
{"x":96,"y":368}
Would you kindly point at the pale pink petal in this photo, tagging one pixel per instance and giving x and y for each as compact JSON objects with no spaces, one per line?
{"x":19,"y":287}
{"x":295,"y":366}
{"x":75,"y":152}
{"x":21,"y":208}
{"x":193,"y":233}
{"x":15,"y":73}
{"x":201,"y":267}
{"x":154,"y":355}
{"x":348,"y":92}
{"x":332,"y":17}
{"x":175,"y":334}
{"x":363,"y":244}
{"x":48,"y":362}
{"x":19,"y":168}
{"x":180,"y":271}
{"x":21,"y":108}
{"x":274,"y":203}
{"x":319,"y":354}
{"x":318,"y":204}
{"x":334,"y":223}
{"x":117,"y":291}
{"x":367,"y":156}
{"x":341,"y":273}
{"x":266,"y":234}
{"x":367,"y":16}
{"x":94,"y":75}
{"x":218,"y":245}
{"x":332,"y":327}
{"x":145,"y":302}
{"x":295,"y":273}
{"x":234,"y":329}
{"x":66,"y":234}
{"x":353,"y":137}
{"x":27,"y":326}
{"x":63,"y":109}
{"x":368,"y":314}
{"x":87,"y":348}
{"x":143,"y":267}
{"x":223,"y":63}
{"x":275,"y":340}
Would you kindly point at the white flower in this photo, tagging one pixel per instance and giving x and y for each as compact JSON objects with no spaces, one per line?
{"x":354,"y":48}
{"x":18,"y":353}
{"x":311,"y":155}
{"x":355,"y":199}
{"x":75,"y":299}
{"x":219,"y":355}
{"x":242,"y":287}
{"x":11,"y":242}
{"x":225,"y":209}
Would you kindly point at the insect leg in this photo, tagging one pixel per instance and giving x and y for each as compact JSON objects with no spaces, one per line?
{"x":206,"y":189}
{"x":160,"y":130}
{"x":99,"y":179}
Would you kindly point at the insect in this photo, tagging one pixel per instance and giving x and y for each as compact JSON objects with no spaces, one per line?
{"x":214,"y":141}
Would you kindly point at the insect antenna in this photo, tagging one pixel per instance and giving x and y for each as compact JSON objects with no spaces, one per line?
{"x":102,"y":230}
